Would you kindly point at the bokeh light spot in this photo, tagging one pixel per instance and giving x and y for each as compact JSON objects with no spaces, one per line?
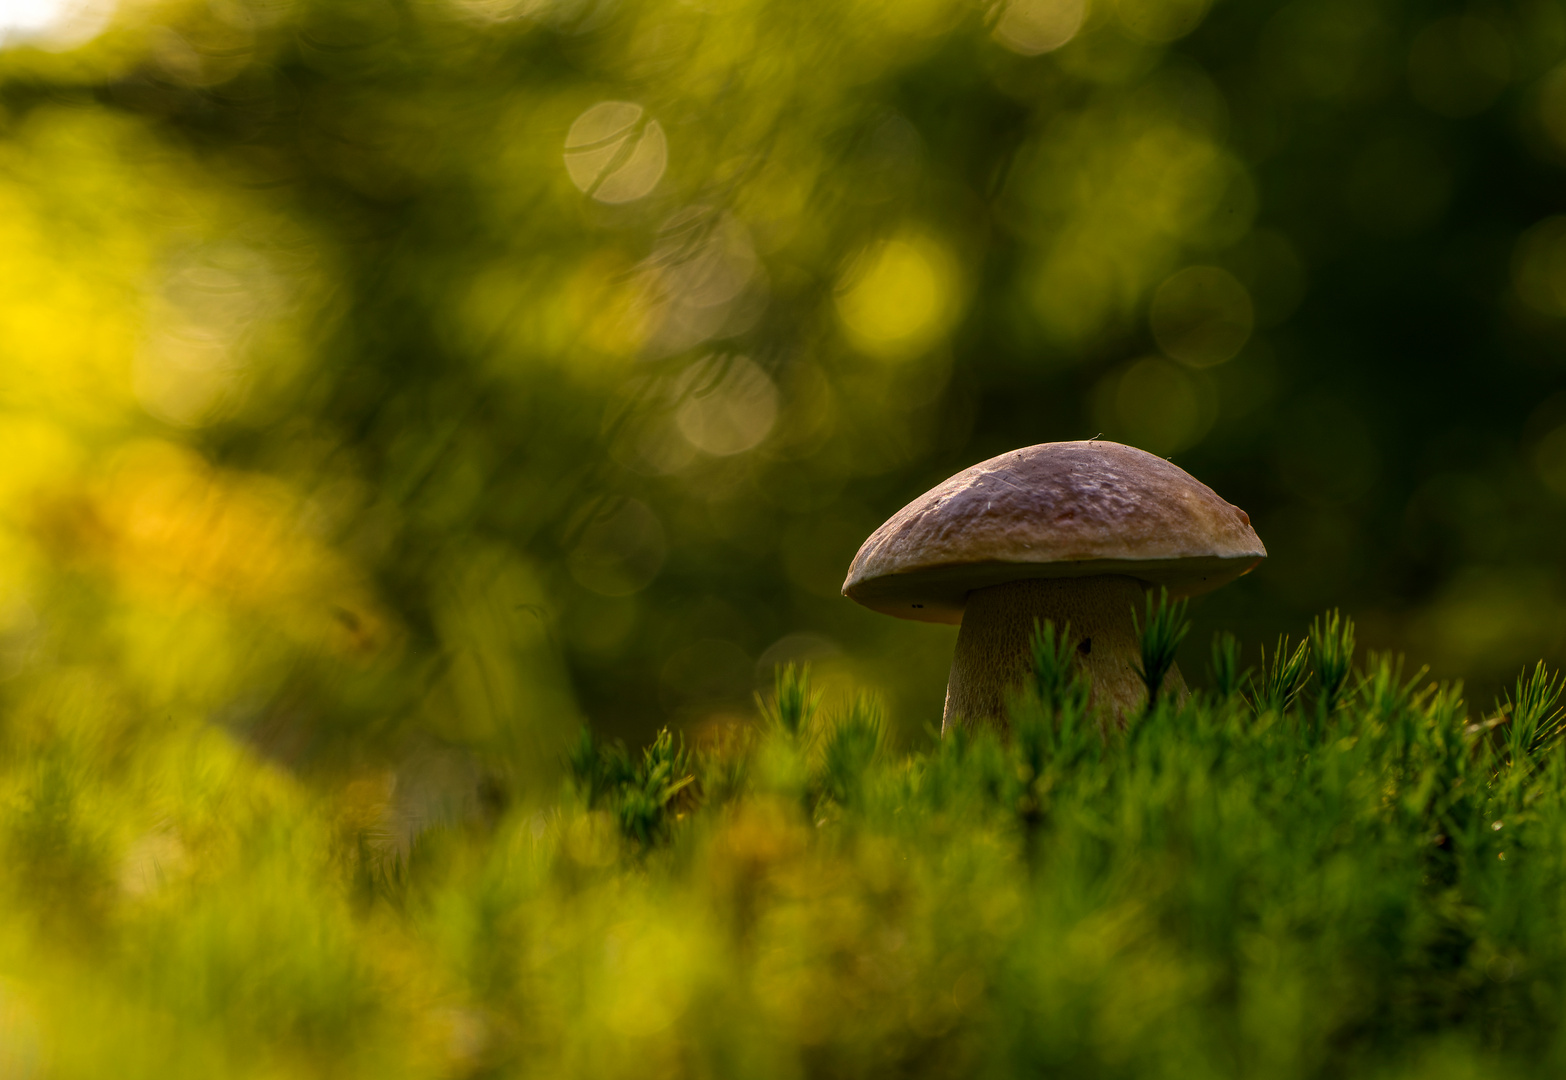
{"x":1034,"y":27}
{"x":1114,"y":196}
{"x":1328,"y":49}
{"x":620,"y":551}
{"x":1155,"y":404}
{"x":1539,"y":267}
{"x":1161,"y":21}
{"x":21,"y":1044}
{"x":1457,"y":66}
{"x":1549,"y":459}
{"x":729,"y":406}
{"x":654,"y":447}
{"x":501,"y":10}
{"x":53,"y":24}
{"x":1201,"y":315}
{"x":898,"y":297}
{"x":209,"y":307}
{"x":647,"y":986}
{"x":614,"y":154}
{"x":1552,"y":106}
{"x":704,"y":279}
{"x":910,"y":20}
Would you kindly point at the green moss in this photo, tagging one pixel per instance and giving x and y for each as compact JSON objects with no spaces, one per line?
{"x":1361,"y":879}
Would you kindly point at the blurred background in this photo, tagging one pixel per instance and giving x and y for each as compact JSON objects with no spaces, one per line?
{"x":413,"y":380}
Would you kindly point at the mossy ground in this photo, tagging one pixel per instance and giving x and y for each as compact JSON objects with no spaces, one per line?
{"x":1317,"y":870}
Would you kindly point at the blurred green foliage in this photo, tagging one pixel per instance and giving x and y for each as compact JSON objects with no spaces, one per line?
{"x":408,"y":381}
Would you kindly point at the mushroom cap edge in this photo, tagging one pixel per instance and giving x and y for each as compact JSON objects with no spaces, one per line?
{"x":1055,"y":510}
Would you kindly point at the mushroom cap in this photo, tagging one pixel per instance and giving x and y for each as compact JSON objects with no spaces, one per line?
{"x":1056,"y":510}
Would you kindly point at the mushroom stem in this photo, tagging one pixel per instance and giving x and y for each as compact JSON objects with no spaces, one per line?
{"x":993,"y":655}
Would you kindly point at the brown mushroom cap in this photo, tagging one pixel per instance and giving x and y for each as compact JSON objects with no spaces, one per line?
{"x":1069,"y":509}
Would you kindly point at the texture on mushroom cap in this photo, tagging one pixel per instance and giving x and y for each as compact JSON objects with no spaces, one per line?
{"x":1068,"y":509}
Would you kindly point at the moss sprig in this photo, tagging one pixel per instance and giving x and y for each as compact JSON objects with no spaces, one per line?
{"x":1278,"y":683}
{"x":1332,"y":658}
{"x":1534,"y":718}
{"x":794,"y":702}
{"x":1224,"y":666}
{"x":1160,"y":631}
{"x":1057,"y":681}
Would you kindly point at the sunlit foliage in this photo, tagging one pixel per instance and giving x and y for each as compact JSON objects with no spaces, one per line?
{"x":429,"y":377}
{"x":1223,"y":888}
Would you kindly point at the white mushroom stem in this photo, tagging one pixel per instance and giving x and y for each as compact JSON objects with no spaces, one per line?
{"x":993,"y":655}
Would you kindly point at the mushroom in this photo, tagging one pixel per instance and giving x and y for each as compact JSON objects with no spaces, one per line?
{"x":1073,"y":532}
